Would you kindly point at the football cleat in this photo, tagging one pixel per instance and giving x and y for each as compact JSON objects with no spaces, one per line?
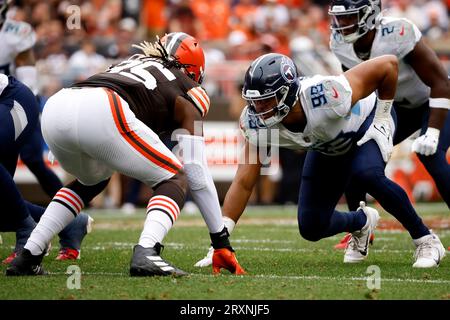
{"x":207,"y":260}
{"x":344,"y":241}
{"x":9,"y":258}
{"x":25,"y":264}
{"x":429,"y":251}
{"x":358,"y":245}
{"x":68,"y":254}
{"x":13,"y":255}
{"x":147,"y":262}
{"x":226,"y":259}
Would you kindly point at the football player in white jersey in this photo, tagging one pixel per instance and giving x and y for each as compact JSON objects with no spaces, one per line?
{"x":347,"y":131}
{"x":422,"y":99}
{"x":17,"y":57}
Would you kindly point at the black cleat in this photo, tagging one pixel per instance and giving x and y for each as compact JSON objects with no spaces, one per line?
{"x":25,"y":264}
{"x":147,"y":262}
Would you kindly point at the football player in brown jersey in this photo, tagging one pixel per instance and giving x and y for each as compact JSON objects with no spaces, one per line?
{"x":113,"y":121}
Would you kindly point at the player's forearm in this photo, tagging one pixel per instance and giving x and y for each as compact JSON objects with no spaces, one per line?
{"x":387,"y":81}
{"x":235,"y":202}
{"x":439,"y":103}
{"x":240,"y":191}
{"x":437,"y":118}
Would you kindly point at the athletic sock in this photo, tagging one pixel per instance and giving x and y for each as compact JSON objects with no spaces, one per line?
{"x":61,"y":211}
{"x":162,"y":212}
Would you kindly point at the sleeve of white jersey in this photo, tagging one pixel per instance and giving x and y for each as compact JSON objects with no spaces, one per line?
{"x":406,"y":35}
{"x":26,"y":37}
{"x":331,"y":95}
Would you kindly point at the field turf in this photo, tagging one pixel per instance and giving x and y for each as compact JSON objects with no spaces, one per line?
{"x":280,"y":264}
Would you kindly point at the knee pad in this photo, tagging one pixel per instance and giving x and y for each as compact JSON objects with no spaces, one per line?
{"x":174,"y":188}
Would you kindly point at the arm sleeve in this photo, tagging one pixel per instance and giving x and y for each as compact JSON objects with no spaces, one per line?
{"x":200,"y":180}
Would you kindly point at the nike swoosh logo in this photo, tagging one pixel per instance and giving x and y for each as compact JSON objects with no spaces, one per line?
{"x":402,"y":32}
{"x":335,"y":93}
{"x":364,"y":252}
{"x":382,"y":130}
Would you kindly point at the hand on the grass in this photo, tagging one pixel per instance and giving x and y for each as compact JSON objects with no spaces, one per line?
{"x":207,"y":260}
{"x":226,"y":259}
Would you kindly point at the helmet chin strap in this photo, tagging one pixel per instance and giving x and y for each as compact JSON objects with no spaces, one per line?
{"x":353,"y":37}
{"x":280,"y":114}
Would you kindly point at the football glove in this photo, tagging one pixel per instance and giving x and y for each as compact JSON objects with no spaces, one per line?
{"x":426,"y":144}
{"x":381,"y":129}
{"x":225,"y":258}
{"x":207,"y":260}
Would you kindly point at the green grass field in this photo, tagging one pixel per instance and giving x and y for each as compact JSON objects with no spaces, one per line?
{"x":280,"y":264}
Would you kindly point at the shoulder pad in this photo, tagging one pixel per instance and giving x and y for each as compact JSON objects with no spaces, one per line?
{"x":400,"y":34}
{"x":20,"y":35}
{"x":332,"y":94}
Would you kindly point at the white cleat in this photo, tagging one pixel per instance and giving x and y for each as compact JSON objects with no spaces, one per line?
{"x":89,"y":225}
{"x":128,"y":208}
{"x":358,"y":245}
{"x":429,"y":251}
{"x":207,"y":260}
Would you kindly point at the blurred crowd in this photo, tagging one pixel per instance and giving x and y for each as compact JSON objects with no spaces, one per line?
{"x":78,"y":38}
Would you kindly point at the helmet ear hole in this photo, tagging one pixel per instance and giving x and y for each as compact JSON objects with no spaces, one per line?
{"x":187,"y":51}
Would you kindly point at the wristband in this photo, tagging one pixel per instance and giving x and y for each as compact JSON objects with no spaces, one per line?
{"x":442,"y":103}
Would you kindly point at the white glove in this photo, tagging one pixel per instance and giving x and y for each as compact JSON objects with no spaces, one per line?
{"x":427,"y":144}
{"x":381,"y":129}
{"x":207,"y":260}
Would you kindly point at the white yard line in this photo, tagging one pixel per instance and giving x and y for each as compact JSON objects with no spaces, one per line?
{"x":279,"y":277}
{"x":174,"y":245}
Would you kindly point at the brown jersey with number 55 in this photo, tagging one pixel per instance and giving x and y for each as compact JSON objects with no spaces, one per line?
{"x":151,"y":88}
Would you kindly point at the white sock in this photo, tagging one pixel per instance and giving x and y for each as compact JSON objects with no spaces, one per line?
{"x":63,"y":208}
{"x":229,"y":223}
{"x":162,"y":212}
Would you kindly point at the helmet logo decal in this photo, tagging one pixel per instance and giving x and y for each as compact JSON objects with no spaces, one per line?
{"x":287,"y":72}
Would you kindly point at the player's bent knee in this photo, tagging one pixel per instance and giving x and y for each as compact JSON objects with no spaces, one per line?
{"x":310,"y":233}
{"x":87,"y":193}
